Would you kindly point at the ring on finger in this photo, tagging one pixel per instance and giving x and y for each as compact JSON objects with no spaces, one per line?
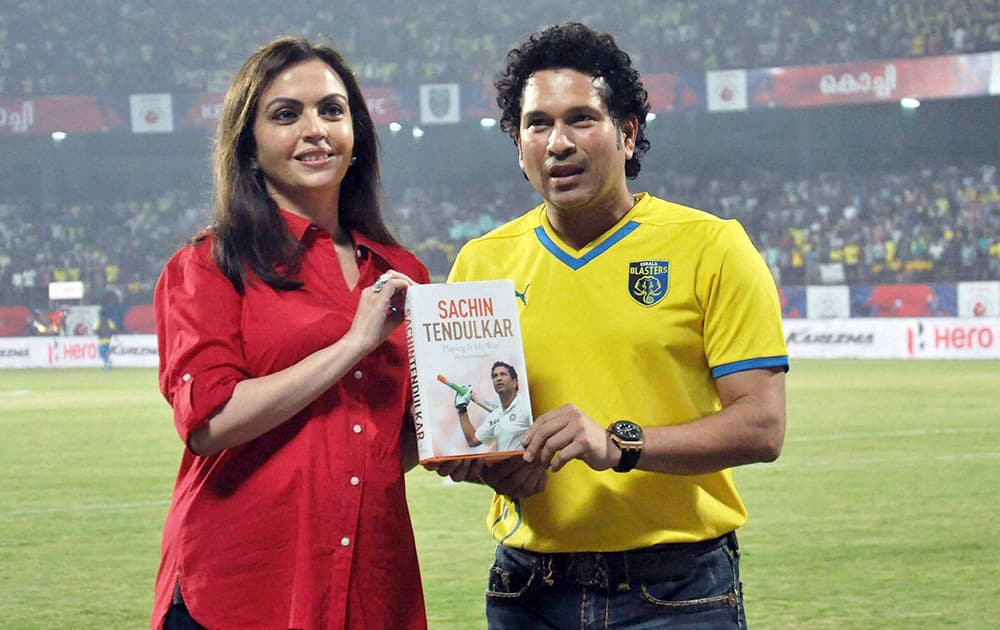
{"x":380,"y":283}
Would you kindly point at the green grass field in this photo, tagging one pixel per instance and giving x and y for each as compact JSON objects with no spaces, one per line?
{"x":881,"y":512}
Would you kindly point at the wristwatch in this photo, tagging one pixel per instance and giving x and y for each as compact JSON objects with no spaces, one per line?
{"x":627,"y":436}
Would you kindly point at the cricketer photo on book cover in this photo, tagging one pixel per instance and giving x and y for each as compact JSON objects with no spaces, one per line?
{"x":470,"y":389}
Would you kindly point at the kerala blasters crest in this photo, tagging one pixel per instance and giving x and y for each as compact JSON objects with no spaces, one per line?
{"x":648,"y":281}
{"x":439,"y":101}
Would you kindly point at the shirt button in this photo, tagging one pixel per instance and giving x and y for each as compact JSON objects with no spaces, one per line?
{"x":358,"y":374}
{"x":345,"y":542}
{"x":186,"y":377}
{"x":357,"y":428}
{"x":355,"y":481}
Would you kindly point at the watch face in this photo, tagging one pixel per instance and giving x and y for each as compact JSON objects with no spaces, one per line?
{"x":627,"y":430}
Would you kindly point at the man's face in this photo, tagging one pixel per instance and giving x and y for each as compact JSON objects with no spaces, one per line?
{"x":502,"y":382}
{"x":569,"y":147}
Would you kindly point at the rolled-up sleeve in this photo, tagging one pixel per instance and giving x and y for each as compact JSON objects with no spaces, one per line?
{"x":198,"y":315}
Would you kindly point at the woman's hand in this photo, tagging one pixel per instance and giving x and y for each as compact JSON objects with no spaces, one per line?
{"x":262,"y":403}
{"x":380,"y":311}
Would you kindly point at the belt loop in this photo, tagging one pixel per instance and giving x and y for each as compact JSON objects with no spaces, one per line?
{"x":626,"y":584}
{"x":547,"y":567}
{"x":602,"y":570}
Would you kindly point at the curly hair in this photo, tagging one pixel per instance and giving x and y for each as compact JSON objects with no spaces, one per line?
{"x":577,"y":47}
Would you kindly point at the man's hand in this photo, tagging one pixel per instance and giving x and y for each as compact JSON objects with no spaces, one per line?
{"x":462,"y":400}
{"x":512,"y":476}
{"x":567,"y":433}
{"x":459,"y":469}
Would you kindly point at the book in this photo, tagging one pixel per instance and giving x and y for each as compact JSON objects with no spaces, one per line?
{"x":467,"y":370}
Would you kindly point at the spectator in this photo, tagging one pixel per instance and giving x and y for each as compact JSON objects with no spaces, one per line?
{"x":187,"y":45}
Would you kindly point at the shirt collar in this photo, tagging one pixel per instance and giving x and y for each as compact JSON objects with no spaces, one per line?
{"x":381,"y":250}
{"x":298,"y":227}
{"x":513,"y":403}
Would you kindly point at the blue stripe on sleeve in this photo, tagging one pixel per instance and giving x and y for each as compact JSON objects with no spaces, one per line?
{"x":751,"y":364}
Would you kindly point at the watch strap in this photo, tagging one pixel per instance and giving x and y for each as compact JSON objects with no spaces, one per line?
{"x":630,"y":457}
{"x":627,"y":436}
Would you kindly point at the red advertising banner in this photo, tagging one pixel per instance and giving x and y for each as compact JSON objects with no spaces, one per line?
{"x":871,"y":82}
{"x":662,"y":89}
{"x":953,"y":76}
{"x":673,"y":92}
{"x":198,"y":110}
{"x":385,"y":105}
{"x":14,"y":321}
{"x":45,"y":114}
{"x":478,"y":100}
{"x":202,"y":110}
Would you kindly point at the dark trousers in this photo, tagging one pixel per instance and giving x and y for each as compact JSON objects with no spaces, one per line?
{"x":692,"y":586}
{"x":178,"y":617}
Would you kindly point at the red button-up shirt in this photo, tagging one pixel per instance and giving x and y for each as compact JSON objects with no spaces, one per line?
{"x":307,"y":525}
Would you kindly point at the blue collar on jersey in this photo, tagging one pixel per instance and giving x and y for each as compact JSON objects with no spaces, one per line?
{"x":575,"y":263}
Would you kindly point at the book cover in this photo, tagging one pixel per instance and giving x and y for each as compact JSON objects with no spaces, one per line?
{"x":467,"y":373}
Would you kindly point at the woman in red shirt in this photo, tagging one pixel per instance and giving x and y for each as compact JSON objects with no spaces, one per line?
{"x":283,"y":359}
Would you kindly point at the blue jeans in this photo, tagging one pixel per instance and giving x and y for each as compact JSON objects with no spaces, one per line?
{"x":693,"y":586}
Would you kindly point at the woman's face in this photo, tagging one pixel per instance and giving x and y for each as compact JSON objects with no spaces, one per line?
{"x":304,"y":136}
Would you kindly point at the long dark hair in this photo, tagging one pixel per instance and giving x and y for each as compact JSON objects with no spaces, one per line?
{"x":249,"y":233}
{"x":577,"y":47}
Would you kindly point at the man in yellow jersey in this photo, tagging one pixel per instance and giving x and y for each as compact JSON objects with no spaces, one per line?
{"x":656,"y":360}
{"x":104,"y":328}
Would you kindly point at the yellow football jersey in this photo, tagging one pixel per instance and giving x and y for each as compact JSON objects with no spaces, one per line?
{"x":636,"y":325}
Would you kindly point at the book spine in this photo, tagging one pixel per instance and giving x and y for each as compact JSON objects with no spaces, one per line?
{"x":418,"y":408}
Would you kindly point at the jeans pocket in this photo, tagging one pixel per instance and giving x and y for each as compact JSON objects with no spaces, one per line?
{"x":512,"y":573}
{"x":712,"y":583}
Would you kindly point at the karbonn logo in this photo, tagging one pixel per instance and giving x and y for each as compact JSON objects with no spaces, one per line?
{"x":948,"y":338}
{"x":135,"y":351}
{"x":13,"y":352}
{"x":831,"y":339}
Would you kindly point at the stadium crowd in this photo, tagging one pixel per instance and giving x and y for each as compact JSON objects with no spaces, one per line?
{"x":919,"y":225}
{"x":916,"y":224}
{"x":55,"y":47}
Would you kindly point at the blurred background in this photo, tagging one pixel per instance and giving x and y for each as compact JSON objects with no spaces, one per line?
{"x":857,"y":141}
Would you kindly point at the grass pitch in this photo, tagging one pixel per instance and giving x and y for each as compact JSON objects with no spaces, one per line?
{"x":881,"y":511}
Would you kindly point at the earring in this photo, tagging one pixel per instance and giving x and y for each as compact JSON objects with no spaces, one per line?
{"x":354,"y":159}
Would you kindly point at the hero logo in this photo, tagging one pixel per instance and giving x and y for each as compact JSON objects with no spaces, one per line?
{"x":60,"y":351}
{"x":922,"y":338}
